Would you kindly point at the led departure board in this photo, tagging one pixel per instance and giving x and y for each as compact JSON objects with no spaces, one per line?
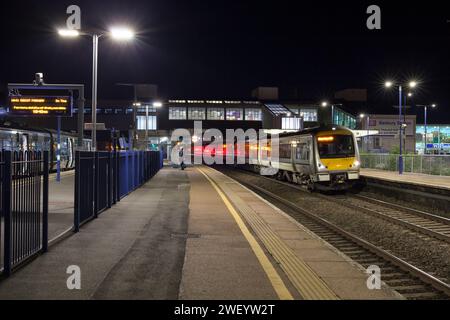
{"x":40,"y":105}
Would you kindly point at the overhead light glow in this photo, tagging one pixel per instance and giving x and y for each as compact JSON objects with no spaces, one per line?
{"x":157,"y":104}
{"x":324,"y":104}
{"x":122,"y":33}
{"x":412,"y":84}
{"x":388,"y":84}
{"x":362,"y":115}
{"x":68,"y":33}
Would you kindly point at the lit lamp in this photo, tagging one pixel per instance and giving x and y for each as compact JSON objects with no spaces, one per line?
{"x":411,"y":84}
{"x":117,"y":33}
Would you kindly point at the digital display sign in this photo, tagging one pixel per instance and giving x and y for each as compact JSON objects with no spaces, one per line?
{"x":40,"y":105}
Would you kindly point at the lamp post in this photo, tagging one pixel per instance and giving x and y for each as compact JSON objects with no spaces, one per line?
{"x":116,"y":33}
{"x":425,"y":123}
{"x":412,"y":84}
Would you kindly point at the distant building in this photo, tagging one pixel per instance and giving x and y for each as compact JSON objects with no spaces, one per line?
{"x":388,"y":139}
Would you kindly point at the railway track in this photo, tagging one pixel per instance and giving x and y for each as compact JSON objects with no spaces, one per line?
{"x":408,"y":280}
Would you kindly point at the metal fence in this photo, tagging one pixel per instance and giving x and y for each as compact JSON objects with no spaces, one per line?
{"x":24,"y":206}
{"x":103,"y":178}
{"x":426,"y":164}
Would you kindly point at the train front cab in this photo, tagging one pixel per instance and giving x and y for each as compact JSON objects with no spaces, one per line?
{"x":337,"y":165}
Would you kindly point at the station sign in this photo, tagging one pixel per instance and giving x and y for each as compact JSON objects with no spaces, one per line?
{"x":26,"y":105}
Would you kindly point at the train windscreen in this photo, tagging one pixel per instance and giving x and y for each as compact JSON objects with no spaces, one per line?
{"x":336,"y":146}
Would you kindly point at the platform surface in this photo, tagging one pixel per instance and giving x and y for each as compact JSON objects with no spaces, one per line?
{"x":411,"y":178}
{"x":193,"y":234}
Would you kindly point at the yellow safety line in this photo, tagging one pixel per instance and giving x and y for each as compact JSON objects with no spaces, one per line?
{"x":275,"y":279}
{"x":301,"y":275}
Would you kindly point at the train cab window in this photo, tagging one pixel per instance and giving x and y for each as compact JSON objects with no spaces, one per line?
{"x":336,"y":146}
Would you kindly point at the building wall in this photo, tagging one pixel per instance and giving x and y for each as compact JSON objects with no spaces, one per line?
{"x":387,"y":139}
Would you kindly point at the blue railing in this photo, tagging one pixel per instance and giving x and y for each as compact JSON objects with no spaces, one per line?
{"x":103,"y":178}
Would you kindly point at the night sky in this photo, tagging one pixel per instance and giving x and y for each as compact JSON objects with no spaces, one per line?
{"x":223,"y":49}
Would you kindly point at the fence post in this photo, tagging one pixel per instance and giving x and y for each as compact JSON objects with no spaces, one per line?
{"x":96,"y":178}
{"x":76,"y":216}
{"x":110,"y":180}
{"x":6,"y":190}
{"x":45,"y":205}
{"x":117,"y":177}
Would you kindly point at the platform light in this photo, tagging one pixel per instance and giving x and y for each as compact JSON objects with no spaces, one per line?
{"x":324,"y":104}
{"x":68,"y":33}
{"x":388,"y":84}
{"x":122,"y":33}
{"x":157,"y":104}
{"x":412,"y":84}
{"x":362,"y":115}
{"x":433,"y":105}
{"x":410,"y":94}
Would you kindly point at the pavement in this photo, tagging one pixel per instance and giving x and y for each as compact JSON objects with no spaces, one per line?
{"x":192,"y":234}
{"x":412,"y":178}
{"x":135,"y":250}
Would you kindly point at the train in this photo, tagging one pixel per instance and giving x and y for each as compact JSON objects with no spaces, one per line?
{"x":17,"y":139}
{"x":321,"y":158}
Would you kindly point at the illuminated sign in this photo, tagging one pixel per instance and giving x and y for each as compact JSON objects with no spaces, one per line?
{"x":40,"y":105}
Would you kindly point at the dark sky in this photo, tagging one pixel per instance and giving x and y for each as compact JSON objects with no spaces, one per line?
{"x":223,"y":49}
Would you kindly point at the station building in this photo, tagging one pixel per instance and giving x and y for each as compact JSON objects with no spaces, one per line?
{"x":383,"y":133}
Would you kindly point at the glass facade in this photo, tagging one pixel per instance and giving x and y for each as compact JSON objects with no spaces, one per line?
{"x":196,"y":113}
{"x":308,"y":114}
{"x":235,"y":114}
{"x":253,"y":114}
{"x":141,"y":122}
{"x":216,"y":114}
{"x":342,"y":118}
{"x":177,"y":113}
{"x":290,"y":123}
{"x":437,"y":139}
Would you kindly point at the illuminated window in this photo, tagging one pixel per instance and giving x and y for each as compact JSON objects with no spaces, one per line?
{"x":308,"y":114}
{"x":253,"y":114}
{"x":196,"y":113}
{"x":177,"y":113}
{"x":151,"y":122}
{"x":216,"y":114}
{"x":290,"y":123}
{"x":234,"y":114}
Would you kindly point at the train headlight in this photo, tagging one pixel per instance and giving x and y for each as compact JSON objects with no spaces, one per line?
{"x":321,"y":166}
{"x":356,"y":163}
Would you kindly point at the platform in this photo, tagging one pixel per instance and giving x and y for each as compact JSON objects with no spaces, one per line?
{"x":193,"y":234}
{"x":418,"y":179}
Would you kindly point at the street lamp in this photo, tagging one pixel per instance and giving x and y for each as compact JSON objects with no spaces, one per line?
{"x":117,"y":33}
{"x":412,"y":84}
{"x":425,"y":123}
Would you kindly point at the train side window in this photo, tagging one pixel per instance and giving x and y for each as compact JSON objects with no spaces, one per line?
{"x":302,"y":152}
{"x":285,"y":151}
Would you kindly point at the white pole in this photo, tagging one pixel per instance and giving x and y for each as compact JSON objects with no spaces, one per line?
{"x":94,"y":90}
